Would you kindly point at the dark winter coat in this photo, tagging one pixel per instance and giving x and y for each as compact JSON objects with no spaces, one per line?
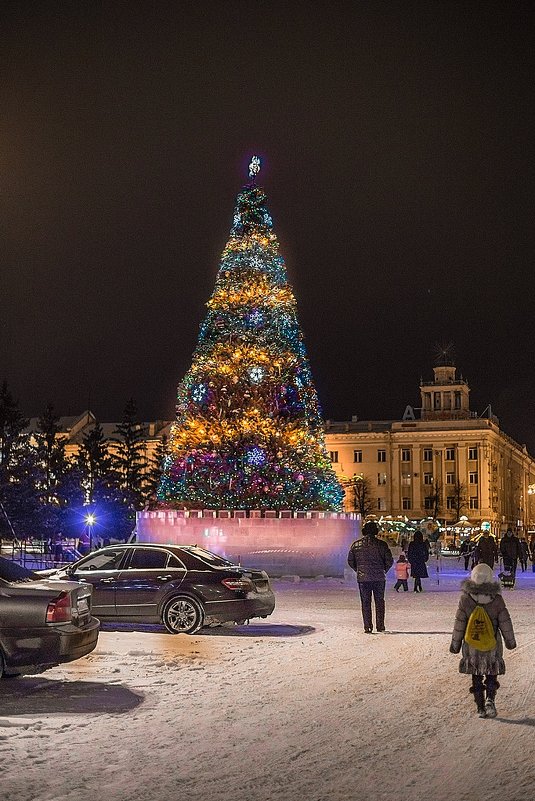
{"x":487,"y":550}
{"x":418,"y":555}
{"x":370,"y":558}
{"x":488,"y":595}
{"x":524,"y":550}
{"x":510,"y":548}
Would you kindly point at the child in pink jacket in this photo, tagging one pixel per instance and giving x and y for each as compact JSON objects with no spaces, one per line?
{"x":402,"y":571}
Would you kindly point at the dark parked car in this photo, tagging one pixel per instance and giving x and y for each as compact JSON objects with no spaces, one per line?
{"x":183,"y":586}
{"x":42,"y":622}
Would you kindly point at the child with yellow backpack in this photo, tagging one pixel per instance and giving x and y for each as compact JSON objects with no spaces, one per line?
{"x":481,"y":621}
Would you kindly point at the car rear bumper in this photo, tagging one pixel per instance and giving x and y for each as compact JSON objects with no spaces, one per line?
{"x":34,"y":650}
{"x":260,"y":605}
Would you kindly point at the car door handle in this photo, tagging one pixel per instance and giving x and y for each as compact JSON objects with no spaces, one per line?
{"x":164,"y":578}
{"x":106,"y":580}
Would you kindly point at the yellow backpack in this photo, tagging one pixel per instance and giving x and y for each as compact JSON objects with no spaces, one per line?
{"x":480,"y":631}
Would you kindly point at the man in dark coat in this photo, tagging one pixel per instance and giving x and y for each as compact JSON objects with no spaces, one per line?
{"x":487,"y":549}
{"x":371,"y":559}
{"x":510,"y":551}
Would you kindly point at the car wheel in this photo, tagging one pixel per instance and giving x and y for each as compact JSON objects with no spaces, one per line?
{"x":183,"y":615}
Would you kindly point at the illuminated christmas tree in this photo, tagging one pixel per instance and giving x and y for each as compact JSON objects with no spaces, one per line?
{"x":248,"y":432}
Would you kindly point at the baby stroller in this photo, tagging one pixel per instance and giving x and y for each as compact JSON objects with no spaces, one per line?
{"x":507,"y":577}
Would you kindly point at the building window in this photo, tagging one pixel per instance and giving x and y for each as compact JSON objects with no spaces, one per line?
{"x":406,"y":479}
{"x":450,"y":502}
{"x":474,"y":502}
{"x":450,"y":478}
{"x":405,"y":455}
{"x":447,"y":401}
{"x":450,"y":454}
{"x":457,"y":400}
{"x":436,"y":400}
{"x":381,"y":479}
{"x":381,"y":504}
{"x":333,"y":456}
{"x":427,"y":401}
{"x":428,"y":478}
{"x":381,"y":456}
{"x":428,"y":503}
{"x":472,"y":478}
{"x":472,"y":452}
{"x":405,"y":503}
{"x":428,"y":454}
{"x":357,"y":456}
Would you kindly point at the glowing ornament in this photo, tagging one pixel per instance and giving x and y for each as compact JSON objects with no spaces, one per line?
{"x":256,"y":457}
{"x":256,"y":374}
{"x":198,"y":393}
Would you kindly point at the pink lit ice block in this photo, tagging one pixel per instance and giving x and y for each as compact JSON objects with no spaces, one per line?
{"x":304,"y":546}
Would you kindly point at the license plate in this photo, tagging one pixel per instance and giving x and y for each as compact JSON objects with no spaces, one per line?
{"x":83,"y":606}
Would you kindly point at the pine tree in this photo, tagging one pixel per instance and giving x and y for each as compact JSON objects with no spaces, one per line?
{"x":95,"y":464}
{"x":248,"y":432}
{"x":129,"y":459}
{"x":20,"y":500}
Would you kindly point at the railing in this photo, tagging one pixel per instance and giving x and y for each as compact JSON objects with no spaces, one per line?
{"x":225,"y":514}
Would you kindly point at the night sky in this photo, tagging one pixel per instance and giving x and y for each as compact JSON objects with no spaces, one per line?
{"x":398,"y":152}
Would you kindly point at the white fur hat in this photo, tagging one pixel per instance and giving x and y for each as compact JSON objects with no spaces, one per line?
{"x":482,"y":574}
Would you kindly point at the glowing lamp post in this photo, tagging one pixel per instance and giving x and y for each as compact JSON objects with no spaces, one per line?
{"x":90,"y":520}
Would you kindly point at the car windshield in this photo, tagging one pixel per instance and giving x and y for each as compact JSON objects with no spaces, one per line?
{"x":11,"y":571}
{"x":207,"y":556}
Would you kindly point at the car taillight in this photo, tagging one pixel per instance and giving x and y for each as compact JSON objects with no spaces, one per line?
{"x":60,"y":611}
{"x":238,"y":584}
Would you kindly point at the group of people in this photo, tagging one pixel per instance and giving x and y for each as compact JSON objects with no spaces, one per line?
{"x":482,"y":622}
{"x":512,"y":550}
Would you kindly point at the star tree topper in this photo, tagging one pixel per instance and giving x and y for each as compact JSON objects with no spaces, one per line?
{"x":254,"y":167}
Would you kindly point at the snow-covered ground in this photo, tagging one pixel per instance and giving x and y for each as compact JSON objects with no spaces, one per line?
{"x":303,"y":706}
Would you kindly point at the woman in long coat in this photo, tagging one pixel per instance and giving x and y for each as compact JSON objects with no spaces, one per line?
{"x":418,"y":555}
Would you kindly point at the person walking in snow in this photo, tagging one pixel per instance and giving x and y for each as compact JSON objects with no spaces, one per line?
{"x":524,"y":554}
{"x":401,"y":569}
{"x":486,"y":549}
{"x":482,"y":589}
{"x":532,"y":552}
{"x":510,"y":551}
{"x":418,"y":555}
{"x":371,"y":559}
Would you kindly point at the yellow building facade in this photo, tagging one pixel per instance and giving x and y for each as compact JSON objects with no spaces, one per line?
{"x":446,"y":451}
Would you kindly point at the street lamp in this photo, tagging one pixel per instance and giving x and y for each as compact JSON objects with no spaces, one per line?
{"x":90,"y":520}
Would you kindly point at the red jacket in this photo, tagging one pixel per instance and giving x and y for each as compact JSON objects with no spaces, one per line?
{"x":402,"y":570}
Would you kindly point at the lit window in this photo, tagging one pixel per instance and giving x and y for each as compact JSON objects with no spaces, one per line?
{"x":428,"y":478}
{"x":406,"y":479}
{"x":381,"y":478}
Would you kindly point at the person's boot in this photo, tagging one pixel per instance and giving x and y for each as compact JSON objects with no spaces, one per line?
{"x":479,"y":697}
{"x":491,"y":686}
